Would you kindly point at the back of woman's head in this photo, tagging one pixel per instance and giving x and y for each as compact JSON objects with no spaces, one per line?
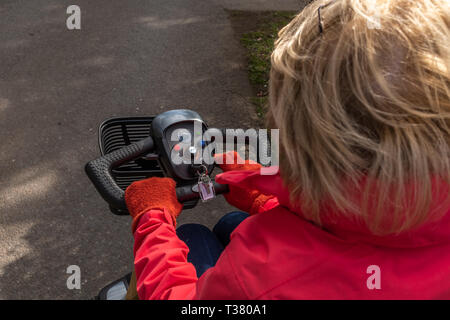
{"x":360,"y":91}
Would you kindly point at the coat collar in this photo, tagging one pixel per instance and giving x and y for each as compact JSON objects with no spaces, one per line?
{"x":349,"y":227}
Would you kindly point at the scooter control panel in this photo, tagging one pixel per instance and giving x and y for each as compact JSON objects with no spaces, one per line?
{"x":178,"y":136}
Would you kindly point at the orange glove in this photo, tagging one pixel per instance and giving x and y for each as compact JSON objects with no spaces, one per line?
{"x":247,"y":200}
{"x":152,"y":193}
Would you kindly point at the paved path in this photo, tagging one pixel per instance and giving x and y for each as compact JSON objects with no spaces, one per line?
{"x":134,"y":57}
{"x":259,"y":5}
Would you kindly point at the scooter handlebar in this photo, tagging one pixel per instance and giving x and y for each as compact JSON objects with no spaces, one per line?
{"x":99,"y":172}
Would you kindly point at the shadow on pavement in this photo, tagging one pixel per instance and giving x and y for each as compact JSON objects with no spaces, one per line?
{"x":130,"y":58}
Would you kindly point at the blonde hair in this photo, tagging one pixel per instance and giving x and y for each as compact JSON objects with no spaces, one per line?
{"x":363,"y":109}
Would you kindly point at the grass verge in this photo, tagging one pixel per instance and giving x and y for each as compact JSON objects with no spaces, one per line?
{"x":257,"y":32}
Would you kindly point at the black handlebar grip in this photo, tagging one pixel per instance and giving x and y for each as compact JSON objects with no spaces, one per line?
{"x":221,"y":188}
{"x":99,"y":171}
{"x":186,"y":193}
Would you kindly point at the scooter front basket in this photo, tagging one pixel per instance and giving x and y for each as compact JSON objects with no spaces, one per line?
{"x":116,"y":133}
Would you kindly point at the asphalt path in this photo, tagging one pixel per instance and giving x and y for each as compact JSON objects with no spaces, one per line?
{"x":130,"y":58}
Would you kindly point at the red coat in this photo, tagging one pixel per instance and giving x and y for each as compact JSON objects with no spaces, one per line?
{"x":276,"y":254}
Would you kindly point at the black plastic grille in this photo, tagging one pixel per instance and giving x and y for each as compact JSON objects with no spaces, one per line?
{"x":118,"y":132}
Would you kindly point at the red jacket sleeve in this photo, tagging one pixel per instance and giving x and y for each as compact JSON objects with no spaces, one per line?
{"x":162,"y":270}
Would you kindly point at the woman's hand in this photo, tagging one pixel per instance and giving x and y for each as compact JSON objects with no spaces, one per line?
{"x":248,"y":200}
{"x":152,"y":193}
